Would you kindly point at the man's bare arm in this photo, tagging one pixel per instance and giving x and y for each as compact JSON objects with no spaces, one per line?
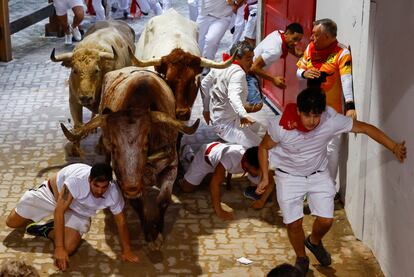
{"x":266,"y":144}
{"x":61,"y":256}
{"x":398,"y":149}
{"x":257,"y":68}
{"x":215,"y":183}
{"x":127,"y":254}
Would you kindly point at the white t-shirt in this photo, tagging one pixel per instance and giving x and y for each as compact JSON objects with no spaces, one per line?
{"x":224,"y":93}
{"x":75,"y":176}
{"x":302,"y":153}
{"x":230,"y":156}
{"x":270,"y":48}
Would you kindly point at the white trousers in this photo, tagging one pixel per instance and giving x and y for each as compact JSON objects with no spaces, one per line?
{"x":250,"y":28}
{"x":99,"y":9}
{"x":232,"y":132}
{"x":193,"y":9}
{"x":211,"y":31}
{"x":238,"y":25}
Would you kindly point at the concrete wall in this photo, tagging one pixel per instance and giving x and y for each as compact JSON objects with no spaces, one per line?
{"x":380,"y":191}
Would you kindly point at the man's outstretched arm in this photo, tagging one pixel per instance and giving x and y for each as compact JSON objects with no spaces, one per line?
{"x":61,"y":254}
{"x":215,"y":183}
{"x":266,"y":144}
{"x":127,"y":254}
{"x":398,"y":149}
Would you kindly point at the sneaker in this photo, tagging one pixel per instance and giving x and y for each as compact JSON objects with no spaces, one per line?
{"x":319,"y":251}
{"x":250,"y":193}
{"x":40,"y":230}
{"x":68,"y":39}
{"x":302,"y":264}
{"x":76,"y":34}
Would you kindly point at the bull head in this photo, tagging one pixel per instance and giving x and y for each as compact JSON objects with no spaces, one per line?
{"x":181,"y":70}
{"x":88,"y":68}
{"x":125,"y":137}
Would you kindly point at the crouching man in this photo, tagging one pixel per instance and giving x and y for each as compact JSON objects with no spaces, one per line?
{"x":73,"y":196}
{"x":217,"y":158}
{"x":298,"y":141}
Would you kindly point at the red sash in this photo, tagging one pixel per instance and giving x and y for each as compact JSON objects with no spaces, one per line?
{"x":208,"y":150}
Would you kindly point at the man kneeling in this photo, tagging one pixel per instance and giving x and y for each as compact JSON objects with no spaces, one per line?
{"x":73,"y":196}
{"x":217,"y":158}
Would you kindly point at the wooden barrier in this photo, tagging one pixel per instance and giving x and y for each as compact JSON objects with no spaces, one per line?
{"x":8,"y":28}
{"x":5,"y":42}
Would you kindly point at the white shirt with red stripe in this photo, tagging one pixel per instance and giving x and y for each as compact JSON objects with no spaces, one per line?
{"x":229,"y":155}
{"x":270,"y":48}
{"x":303,"y":153}
{"x":75,"y":177}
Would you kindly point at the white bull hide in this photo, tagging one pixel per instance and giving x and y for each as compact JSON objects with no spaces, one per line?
{"x":164,"y":33}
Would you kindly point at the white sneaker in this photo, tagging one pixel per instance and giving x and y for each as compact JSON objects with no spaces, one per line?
{"x":76,"y":34}
{"x":68,"y":39}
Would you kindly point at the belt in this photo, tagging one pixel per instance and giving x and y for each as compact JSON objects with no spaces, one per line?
{"x":208,"y":150}
{"x":281,"y":170}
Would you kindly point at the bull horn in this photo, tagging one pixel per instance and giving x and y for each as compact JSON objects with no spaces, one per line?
{"x":108,"y":56}
{"x":165,"y":118}
{"x":83,"y":131}
{"x":62,"y":57}
{"x":213,"y":64}
{"x":135,"y":61}
{"x":157,"y":157}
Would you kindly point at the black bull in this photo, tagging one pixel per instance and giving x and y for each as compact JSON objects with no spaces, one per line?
{"x":139,"y":130}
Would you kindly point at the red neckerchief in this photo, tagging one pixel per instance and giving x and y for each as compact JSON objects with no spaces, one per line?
{"x":285,"y":49}
{"x":290,"y":119}
{"x":227,"y":56}
{"x":318,"y":57}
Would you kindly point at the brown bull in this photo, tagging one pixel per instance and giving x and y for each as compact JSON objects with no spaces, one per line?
{"x":137,"y":117}
{"x":169,"y":43}
{"x":103,"y":49}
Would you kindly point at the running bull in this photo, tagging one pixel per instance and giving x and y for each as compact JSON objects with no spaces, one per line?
{"x":169,"y":44}
{"x":103,"y":49}
{"x":137,"y":118}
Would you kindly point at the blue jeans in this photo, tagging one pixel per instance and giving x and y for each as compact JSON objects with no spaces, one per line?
{"x":254,"y":95}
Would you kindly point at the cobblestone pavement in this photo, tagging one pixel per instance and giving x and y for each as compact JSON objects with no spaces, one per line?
{"x":34,"y":100}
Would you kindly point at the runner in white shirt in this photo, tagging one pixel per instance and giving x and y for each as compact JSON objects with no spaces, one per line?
{"x":296,"y":146}
{"x":73,"y":196}
{"x":217,"y":158}
{"x":224,"y":92}
{"x":273,"y":47}
{"x":214,"y":18}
